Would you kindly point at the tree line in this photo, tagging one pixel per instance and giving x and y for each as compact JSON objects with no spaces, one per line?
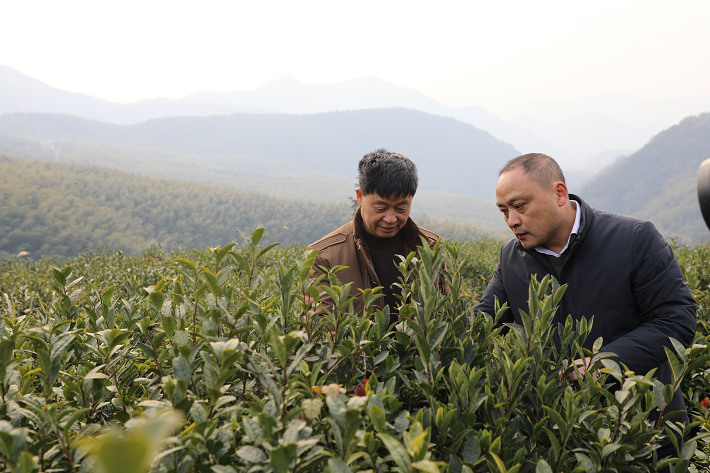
{"x":57,"y":209}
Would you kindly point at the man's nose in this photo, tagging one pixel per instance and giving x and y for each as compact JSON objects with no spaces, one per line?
{"x":513,"y":219}
{"x":390,"y":217}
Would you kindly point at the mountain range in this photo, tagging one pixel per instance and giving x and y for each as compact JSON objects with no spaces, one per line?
{"x":596,"y":128}
{"x":659,"y":181}
{"x":237,"y":139}
{"x":451,"y":156}
{"x":19,"y":93}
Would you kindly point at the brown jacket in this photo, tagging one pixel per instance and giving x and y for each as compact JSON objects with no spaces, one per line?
{"x":346,"y":246}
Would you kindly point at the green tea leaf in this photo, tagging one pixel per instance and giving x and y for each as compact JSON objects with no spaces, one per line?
{"x":279,"y":349}
{"x":182,"y":369}
{"x":281,"y":457}
{"x":543,"y":467}
{"x":378,"y":417}
{"x":338,"y":466}
{"x":312,"y":407}
{"x":399,"y":454}
{"x":252,"y":454}
{"x":675,"y":365}
{"x":471,"y":450}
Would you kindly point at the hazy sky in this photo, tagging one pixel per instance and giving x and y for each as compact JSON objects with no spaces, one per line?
{"x":461,"y":53}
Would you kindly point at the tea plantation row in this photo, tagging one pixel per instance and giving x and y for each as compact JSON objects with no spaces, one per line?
{"x":216,"y":361}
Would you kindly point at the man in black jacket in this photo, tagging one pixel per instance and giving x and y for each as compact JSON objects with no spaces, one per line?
{"x":619,"y":269}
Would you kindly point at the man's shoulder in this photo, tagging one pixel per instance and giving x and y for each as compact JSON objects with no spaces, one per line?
{"x":605,"y":219}
{"x":335,"y":237}
{"x":431,"y":236}
{"x":612,"y":224}
{"x":616,"y":218}
{"x":616,"y":234}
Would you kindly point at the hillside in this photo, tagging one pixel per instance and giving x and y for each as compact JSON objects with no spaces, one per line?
{"x":451,"y":156}
{"x":659,"y":182}
{"x":276,"y":178}
{"x":57,"y":209}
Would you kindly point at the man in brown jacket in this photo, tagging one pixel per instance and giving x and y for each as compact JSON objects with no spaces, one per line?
{"x":380,"y":230}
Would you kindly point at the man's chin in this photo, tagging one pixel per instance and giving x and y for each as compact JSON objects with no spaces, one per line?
{"x":527,"y":242}
{"x":386,"y":233}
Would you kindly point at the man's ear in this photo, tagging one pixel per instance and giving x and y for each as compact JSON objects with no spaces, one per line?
{"x":562,"y":193}
{"x":358,"y":196}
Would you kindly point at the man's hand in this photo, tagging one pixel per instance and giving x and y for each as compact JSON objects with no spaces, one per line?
{"x":582,"y":366}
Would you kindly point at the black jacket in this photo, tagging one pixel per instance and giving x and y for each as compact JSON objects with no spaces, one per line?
{"x":619,"y":270}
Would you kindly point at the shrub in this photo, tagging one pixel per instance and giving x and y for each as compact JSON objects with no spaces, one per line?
{"x":216,"y":361}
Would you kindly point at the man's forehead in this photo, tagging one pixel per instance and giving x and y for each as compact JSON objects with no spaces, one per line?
{"x":516,"y":176}
{"x":516,"y":181}
{"x":513,"y":186}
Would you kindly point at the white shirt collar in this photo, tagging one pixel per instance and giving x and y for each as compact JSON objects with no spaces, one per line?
{"x":575,"y":229}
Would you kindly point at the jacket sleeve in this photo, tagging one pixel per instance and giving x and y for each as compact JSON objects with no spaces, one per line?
{"x":495,"y":289}
{"x":665,"y":302}
{"x":444,"y":285}
{"x":441,"y":282}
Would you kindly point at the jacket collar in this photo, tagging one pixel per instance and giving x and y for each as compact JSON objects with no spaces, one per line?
{"x":587,"y":218}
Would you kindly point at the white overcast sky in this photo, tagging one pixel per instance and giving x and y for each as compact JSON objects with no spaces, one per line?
{"x":461,"y":53}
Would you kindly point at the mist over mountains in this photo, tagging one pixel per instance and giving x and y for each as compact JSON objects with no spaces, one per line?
{"x":601,"y":124}
{"x":19,"y":93}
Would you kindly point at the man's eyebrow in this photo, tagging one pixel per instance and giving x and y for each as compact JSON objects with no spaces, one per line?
{"x":514,"y":198}
{"x":510,"y":201}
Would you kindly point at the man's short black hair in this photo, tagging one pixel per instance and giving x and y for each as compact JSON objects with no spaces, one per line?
{"x":540,"y":167}
{"x":388,"y":173}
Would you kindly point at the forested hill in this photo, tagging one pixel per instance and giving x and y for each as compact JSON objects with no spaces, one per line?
{"x":659,"y":182}
{"x":59,"y":209}
{"x":451,"y":156}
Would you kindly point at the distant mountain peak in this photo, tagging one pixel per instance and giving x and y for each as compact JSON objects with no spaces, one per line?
{"x":11,"y":77}
{"x":286,"y":94}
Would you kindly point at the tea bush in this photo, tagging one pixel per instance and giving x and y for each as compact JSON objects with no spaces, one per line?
{"x":216,"y":361}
